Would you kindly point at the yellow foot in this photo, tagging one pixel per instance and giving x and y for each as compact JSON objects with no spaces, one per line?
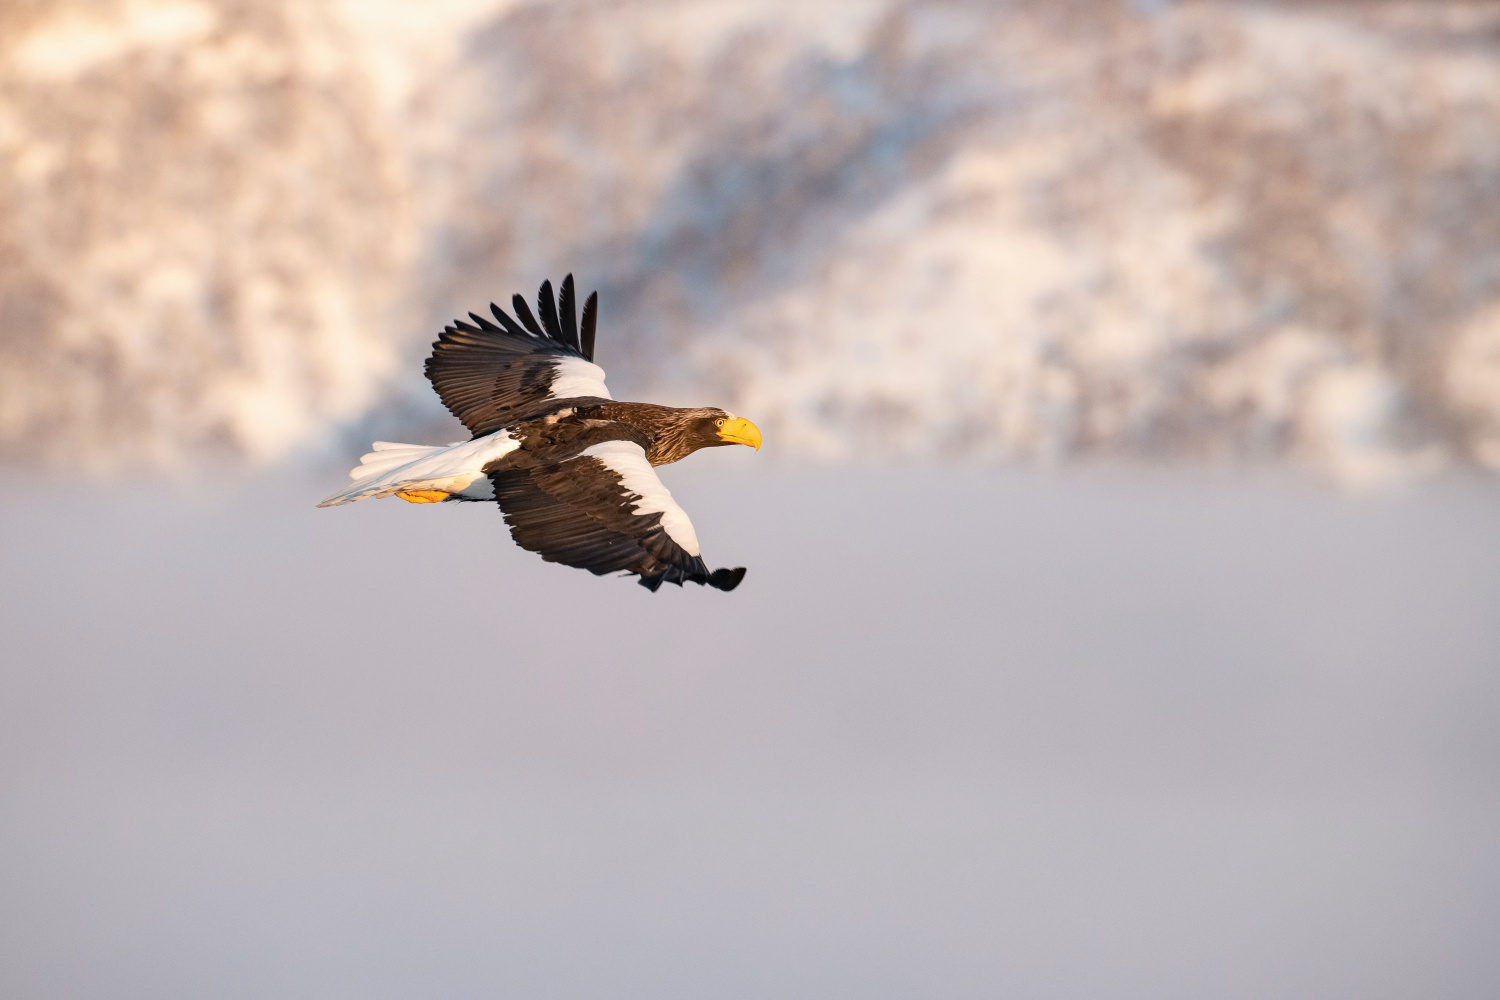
{"x":423,"y":496}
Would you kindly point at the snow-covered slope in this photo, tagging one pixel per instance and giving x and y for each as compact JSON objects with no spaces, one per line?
{"x":1014,"y":230}
{"x":200,"y":219}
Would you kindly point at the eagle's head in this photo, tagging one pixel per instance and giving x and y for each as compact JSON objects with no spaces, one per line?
{"x":717,"y":428}
{"x":711,"y":427}
{"x":683,"y":432}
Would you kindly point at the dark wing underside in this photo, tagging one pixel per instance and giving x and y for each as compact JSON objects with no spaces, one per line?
{"x":580,"y":513}
{"x":490,"y":375}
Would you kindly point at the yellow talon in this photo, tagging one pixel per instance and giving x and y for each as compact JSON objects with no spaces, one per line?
{"x":423,"y":496}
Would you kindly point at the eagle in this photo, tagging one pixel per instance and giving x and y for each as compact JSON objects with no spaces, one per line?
{"x":572,"y":469}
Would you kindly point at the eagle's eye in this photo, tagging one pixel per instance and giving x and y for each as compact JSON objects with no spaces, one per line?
{"x":719,"y":422}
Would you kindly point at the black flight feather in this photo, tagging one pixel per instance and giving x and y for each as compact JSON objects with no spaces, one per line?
{"x":511,"y":326}
{"x":484,"y":324}
{"x":523,"y":312}
{"x":726,"y":579}
{"x":567,"y":313}
{"x":547,"y":306}
{"x":590,"y":315}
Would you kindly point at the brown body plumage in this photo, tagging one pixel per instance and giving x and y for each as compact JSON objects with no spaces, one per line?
{"x":667,"y":433}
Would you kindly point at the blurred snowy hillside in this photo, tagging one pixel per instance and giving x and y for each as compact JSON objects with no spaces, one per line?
{"x":1005,"y":230}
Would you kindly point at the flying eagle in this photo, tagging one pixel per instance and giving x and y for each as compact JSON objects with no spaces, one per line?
{"x":570,"y":467}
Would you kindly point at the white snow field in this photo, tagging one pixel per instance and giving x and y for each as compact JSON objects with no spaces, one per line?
{"x":957,"y":735}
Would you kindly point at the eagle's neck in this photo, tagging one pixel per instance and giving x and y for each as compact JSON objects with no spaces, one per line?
{"x":668,"y":427}
{"x":671,"y":444}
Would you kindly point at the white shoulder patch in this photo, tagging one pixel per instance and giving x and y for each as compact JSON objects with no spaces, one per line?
{"x":628,"y":460}
{"x":577,"y":377}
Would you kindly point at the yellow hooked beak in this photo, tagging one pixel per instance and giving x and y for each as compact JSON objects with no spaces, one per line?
{"x":740,"y":431}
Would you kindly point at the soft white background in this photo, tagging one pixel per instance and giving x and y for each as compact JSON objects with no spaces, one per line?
{"x":1048,"y":681}
{"x":959,"y":734}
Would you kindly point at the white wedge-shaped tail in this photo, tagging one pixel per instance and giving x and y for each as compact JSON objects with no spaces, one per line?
{"x":457,"y":469}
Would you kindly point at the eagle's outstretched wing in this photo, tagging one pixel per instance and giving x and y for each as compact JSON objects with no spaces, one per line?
{"x":489,"y":376}
{"x":606,"y":511}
